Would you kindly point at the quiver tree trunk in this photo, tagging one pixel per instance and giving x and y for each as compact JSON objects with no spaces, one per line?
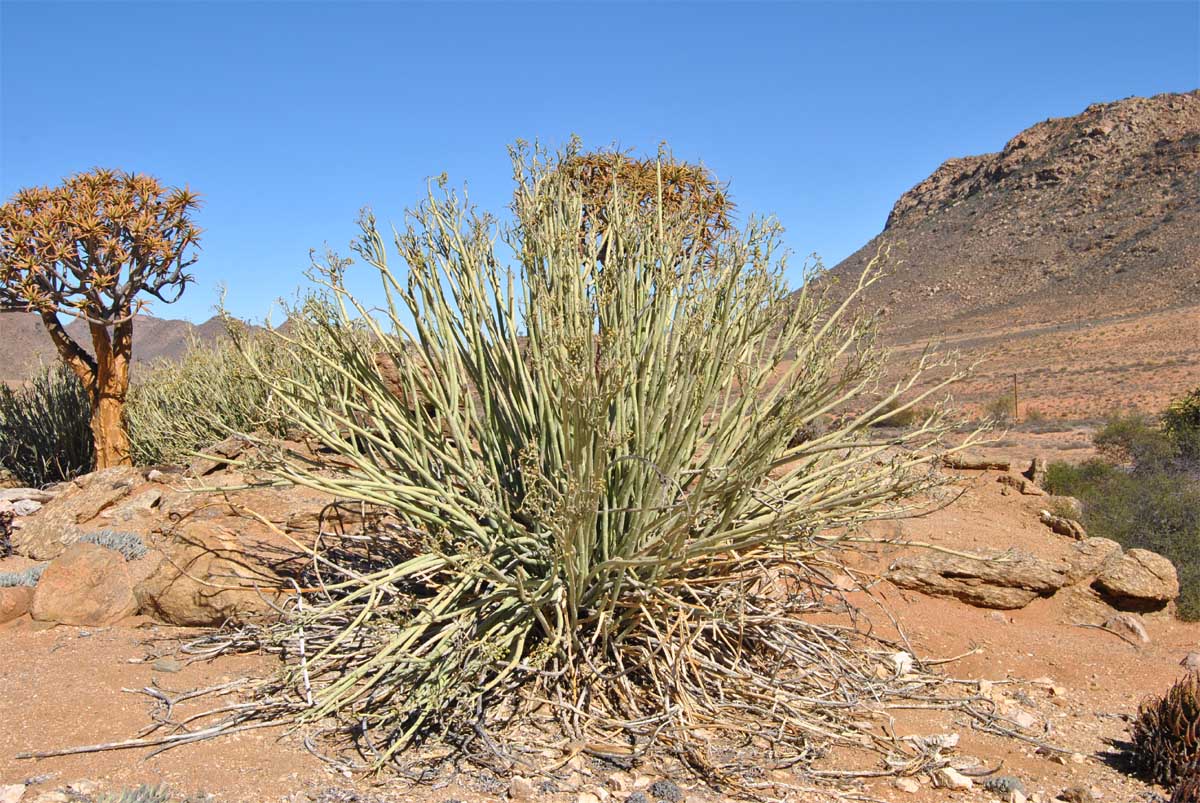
{"x":108,"y":393}
{"x":106,"y":378}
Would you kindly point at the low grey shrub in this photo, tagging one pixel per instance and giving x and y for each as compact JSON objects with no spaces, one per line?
{"x":130,"y":545}
{"x":29,"y":577}
{"x":143,"y":794}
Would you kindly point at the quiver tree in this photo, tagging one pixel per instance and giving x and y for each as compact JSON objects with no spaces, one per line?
{"x":95,"y":248}
{"x":656,"y":191}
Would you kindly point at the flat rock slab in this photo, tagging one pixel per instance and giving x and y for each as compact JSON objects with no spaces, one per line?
{"x":20,"y":494}
{"x":1003,"y":583}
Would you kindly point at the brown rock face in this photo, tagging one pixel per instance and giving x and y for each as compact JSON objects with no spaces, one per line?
{"x":1138,"y":580}
{"x":85,"y":585}
{"x":15,"y":602}
{"x":46,"y":535}
{"x":999,"y":584}
{"x":205,"y":577}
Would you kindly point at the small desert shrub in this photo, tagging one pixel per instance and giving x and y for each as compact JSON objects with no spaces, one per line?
{"x":1181,"y":423}
{"x":1000,"y":410}
{"x":143,"y":794}
{"x":130,"y":545}
{"x":1165,"y":735}
{"x":28,"y":577}
{"x":898,"y":414}
{"x":45,"y":428}
{"x":591,"y":465}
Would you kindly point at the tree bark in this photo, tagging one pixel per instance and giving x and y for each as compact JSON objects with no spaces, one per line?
{"x":108,"y":398}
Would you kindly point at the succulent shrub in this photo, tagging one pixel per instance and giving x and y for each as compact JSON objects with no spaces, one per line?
{"x":177,"y":408}
{"x":28,"y":577}
{"x":1187,"y":789}
{"x":1165,"y":734}
{"x":590,"y":462}
{"x":130,"y":545}
{"x":45,"y":434}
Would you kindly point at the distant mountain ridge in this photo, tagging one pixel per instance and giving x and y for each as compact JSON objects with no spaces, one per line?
{"x":24,"y":342}
{"x":1097,"y":214}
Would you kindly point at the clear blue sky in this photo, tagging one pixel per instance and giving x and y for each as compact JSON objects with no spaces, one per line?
{"x":287,"y":117}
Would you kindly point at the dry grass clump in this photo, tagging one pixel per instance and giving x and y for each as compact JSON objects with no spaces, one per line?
{"x":600,"y":524}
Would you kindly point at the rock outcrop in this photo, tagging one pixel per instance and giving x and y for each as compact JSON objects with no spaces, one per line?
{"x":1005,"y":582}
{"x":1095,"y":214}
{"x":48,"y":534}
{"x":1138,"y":580}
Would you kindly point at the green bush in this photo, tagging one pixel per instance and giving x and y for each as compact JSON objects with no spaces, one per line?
{"x":1181,"y":423}
{"x":593,"y":466}
{"x":1143,"y":495}
{"x":1134,"y":438}
{"x":45,"y":428}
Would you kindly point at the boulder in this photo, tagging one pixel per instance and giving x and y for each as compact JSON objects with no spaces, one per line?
{"x":46,"y":535}
{"x":1067,"y":506}
{"x":205,"y":577}
{"x":1138,"y":580}
{"x":1062,"y":525}
{"x":1004,"y":582}
{"x":15,"y":601}
{"x":1089,"y":556}
{"x":970,"y":461}
{"x":85,"y":585}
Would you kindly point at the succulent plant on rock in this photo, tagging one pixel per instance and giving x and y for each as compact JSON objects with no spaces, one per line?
{"x":1166,"y":733}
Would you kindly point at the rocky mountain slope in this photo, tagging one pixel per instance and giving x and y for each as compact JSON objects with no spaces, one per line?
{"x":1097,"y":214}
{"x":24,"y":343}
{"x":1068,"y":263}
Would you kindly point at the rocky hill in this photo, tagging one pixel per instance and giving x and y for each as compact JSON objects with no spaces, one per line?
{"x":24,"y":342}
{"x":1092,"y":215}
{"x":1067,"y":264}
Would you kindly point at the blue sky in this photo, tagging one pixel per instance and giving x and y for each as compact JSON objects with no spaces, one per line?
{"x":288,"y":117}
